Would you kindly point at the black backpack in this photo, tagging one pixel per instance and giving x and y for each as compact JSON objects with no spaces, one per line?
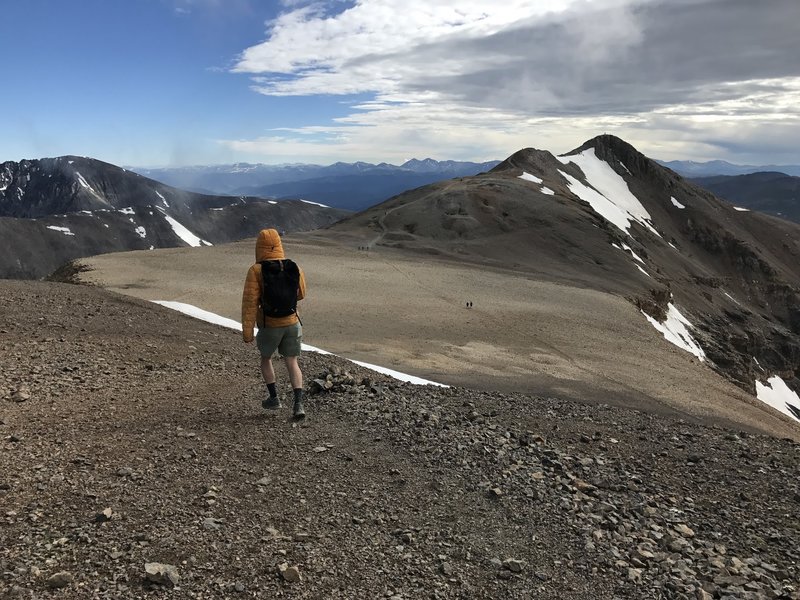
{"x":281,"y":280}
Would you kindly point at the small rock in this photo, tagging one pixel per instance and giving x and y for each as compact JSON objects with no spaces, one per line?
{"x":104,"y":516}
{"x":161,"y":573}
{"x":635,"y":575}
{"x":21,"y":395}
{"x":583,"y":486}
{"x":290,"y":574}
{"x":446,"y":568}
{"x":513,"y":565}
{"x":60,"y":580}
{"x":212,"y":524}
{"x":684,"y":530}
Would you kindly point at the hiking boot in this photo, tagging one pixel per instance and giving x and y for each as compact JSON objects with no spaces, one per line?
{"x":271,"y":403}
{"x":299,"y":411}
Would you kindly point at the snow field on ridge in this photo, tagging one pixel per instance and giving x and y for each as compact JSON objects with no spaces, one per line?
{"x":204,"y":315}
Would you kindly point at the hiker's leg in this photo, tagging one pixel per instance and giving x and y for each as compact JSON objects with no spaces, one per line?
{"x":295,"y":374}
{"x":267,"y":370}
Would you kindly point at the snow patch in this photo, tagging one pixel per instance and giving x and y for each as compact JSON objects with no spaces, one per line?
{"x":218,"y":208}
{"x":675,"y":202}
{"x":204,"y":315}
{"x":643,"y":271}
{"x":127,"y":211}
{"x":548,"y":191}
{"x":635,"y":256}
{"x":164,"y":200}
{"x":528,"y":177}
{"x":272,"y":201}
{"x":740,"y":209}
{"x":315,"y":203}
{"x":84,"y":183}
{"x":186,"y":235}
{"x":779,"y":396}
{"x":675,"y":330}
{"x":734,"y":300}
{"x":64,"y":230}
{"x":141,"y":231}
{"x":608,"y":195}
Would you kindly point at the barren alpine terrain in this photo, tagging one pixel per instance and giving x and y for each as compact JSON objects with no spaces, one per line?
{"x":136,"y":462}
{"x":406,"y":311}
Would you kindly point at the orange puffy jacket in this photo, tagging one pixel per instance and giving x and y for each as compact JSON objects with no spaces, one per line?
{"x":268,"y":247}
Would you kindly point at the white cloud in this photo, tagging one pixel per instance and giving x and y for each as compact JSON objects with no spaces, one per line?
{"x":306,"y":38}
{"x":481,"y":76}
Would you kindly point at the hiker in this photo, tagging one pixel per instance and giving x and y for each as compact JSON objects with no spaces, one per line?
{"x":272,"y":288}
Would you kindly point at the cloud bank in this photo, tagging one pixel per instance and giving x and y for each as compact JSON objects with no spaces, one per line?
{"x":678,"y":78}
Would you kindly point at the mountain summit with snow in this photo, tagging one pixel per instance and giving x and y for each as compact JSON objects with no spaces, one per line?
{"x":721,"y":283}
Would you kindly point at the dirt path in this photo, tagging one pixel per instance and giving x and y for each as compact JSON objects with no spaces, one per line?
{"x":407,"y":312}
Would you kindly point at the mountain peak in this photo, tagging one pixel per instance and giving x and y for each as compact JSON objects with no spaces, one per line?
{"x":615,"y":150}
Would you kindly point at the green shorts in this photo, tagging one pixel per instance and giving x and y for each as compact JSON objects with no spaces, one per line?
{"x":286,"y":340}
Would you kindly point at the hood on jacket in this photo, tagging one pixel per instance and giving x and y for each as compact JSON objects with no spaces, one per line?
{"x":268,"y":245}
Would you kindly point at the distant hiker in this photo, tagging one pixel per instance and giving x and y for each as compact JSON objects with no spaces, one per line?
{"x":273,"y":286}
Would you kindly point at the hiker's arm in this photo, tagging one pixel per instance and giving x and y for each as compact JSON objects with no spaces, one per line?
{"x":250,"y":298}
{"x":301,"y":289}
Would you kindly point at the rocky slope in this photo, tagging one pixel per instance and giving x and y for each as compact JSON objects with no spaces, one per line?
{"x":607,"y":217}
{"x":55,"y":210}
{"x":136,"y":462}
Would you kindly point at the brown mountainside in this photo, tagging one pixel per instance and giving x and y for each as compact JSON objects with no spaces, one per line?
{"x":734,"y":275}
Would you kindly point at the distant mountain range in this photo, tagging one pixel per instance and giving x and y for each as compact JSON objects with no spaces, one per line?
{"x":57,"y":209}
{"x":768,"y":192}
{"x":351,"y":186}
{"x":690,"y":168}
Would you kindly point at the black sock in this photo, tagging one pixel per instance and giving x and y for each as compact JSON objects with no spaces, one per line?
{"x":298,"y":394}
{"x":272,"y":390}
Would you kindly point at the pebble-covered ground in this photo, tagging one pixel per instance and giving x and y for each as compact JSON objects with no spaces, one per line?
{"x":137,"y":462}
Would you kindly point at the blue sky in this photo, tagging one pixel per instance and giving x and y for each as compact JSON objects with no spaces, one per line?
{"x":177,"y":82}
